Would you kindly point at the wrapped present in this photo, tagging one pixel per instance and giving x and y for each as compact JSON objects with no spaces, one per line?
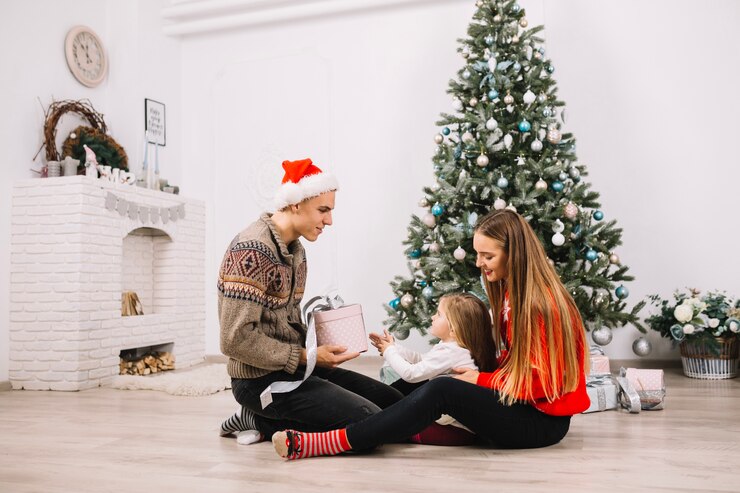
{"x":603,"y":393}
{"x":650,"y":387}
{"x":338,"y":324}
{"x":599,"y":362}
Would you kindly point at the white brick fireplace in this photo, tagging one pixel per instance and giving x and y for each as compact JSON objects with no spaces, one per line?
{"x":76,"y":244}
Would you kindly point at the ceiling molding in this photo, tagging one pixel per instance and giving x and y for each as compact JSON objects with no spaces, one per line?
{"x":184,"y":18}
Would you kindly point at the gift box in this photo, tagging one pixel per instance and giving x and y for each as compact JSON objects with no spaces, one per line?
{"x":599,"y":362}
{"x":343,"y":326}
{"x":603,"y":394}
{"x":650,"y":387}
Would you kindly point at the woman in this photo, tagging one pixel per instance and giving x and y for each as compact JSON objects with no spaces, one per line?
{"x":539,"y":384}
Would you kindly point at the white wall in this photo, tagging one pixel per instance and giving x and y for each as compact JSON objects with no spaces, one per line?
{"x":143,"y":64}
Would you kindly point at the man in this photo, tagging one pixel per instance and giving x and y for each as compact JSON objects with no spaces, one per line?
{"x":260,"y":286}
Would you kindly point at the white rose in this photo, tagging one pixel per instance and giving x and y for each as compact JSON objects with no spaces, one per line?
{"x":688,"y":329}
{"x":713,"y":323}
{"x":734,"y":327}
{"x":683,"y":313}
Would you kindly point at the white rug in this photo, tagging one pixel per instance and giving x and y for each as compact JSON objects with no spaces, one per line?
{"x":203,"y":380}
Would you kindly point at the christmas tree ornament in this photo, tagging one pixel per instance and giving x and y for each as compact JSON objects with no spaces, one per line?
{"x":427,"y":292}
{"x":508,"y":141}
{"x":570,"y":210}
{"x":541,"y":98}
{"x":488,"y":40}
{"x":499,"y":204}
{"x":434,"y":247}
{"x":423,"y":202}
{"x":515,"y":39}
{"x":520,"y":161}
{"x":550,"y":69}
{"x":516,"y":67}
{"x":541,"y":185}
{"x":492,"y":95}
{"x":641,"y":347}
{"x":574,"y":173}
{"x":554,"y":136}
{"x":491,"y":123}
{"x":457,"y":104}
{"x":621,"y":292}
{"x":459,"y":254}
{"x":439,"y":138}
{"x":497,"y":18}
{"x":563,"y":176}
{"x":508,"y":99}
{"x":473,"y":102}
{"x":416,"y":253}
{"x":536,"y":145}
{"x":482,"y":161}
{"x":557,"y":186}
{"x":546,"y":112}
{"x":394,"y":303}
{"x":422,"y":283}
{"x":407,"y":300}
{"x":602,"y":336}
{"x":558,"y":226}
{"x":598,"y":215}
{"x":429,"y":220}
{"x":463,"y":174}
{"x":614,"y":259}
{"x":558,"y":239}
{"x":446,"y":131}
{"x":524,"y":126}
{"x":591,"y":255}
{"x":437,"y":210}
{"x":502,"y":182}
{"x":601,"y":300}
{"x":523,"y":22}
{"x":537,"y":56}
{"x":434,"y":187}
{"x":466,"y":74}
{"x":515,"y":8}
{"x":492,"y":64}
{"x":467,"y":137}
{"x":510,"y":207}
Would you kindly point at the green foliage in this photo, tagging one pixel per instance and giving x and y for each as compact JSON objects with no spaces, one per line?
{"x":502,"y":56}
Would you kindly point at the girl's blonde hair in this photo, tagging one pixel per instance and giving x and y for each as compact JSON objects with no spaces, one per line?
{"x":470,"y":323}
{"x":535,"y":293}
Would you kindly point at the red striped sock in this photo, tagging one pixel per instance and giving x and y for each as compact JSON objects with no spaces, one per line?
{"x":293,"y":444}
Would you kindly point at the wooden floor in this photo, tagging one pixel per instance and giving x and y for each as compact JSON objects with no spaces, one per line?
{"x":140,"y":441}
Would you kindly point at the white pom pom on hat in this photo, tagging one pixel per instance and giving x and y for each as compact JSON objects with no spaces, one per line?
{"x":302,"y":181}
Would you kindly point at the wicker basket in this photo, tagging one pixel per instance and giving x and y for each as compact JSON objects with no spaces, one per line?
{"x":699,"y":361}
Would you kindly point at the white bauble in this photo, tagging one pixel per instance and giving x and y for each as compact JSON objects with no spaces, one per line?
{"x":457,"y":104}
{"x":467,"y":137}
{"x":482,"y":161}
{"x":491,"y":124}
{"x":529,"y":97}
{"x":459,"y":253}
{"x":558,"y":226}
{"x":508,"y":141}
{"x":407,"y":300}
{"x":499,"y":204}
{"x":510,"y":207}
{"x":558,"y":239}
{"x":434,"y":247}
{"x":424,"y":202}
{"x":429,"y":220}
{"x":536,"y":145}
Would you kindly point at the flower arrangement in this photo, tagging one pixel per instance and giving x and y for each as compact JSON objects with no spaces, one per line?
{"x":691,"y":316}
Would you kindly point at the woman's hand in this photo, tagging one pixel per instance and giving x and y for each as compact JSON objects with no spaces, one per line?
{"x":466,"y":375}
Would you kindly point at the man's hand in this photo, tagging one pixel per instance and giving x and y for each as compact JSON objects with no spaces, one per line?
{"x":330,"y":356}
{"x":466,"y":375}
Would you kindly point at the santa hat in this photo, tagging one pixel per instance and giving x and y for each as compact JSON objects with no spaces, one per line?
{"x":302,"y":181}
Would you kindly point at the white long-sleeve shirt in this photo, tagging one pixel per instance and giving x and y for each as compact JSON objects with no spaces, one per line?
{"x":416,"y":367}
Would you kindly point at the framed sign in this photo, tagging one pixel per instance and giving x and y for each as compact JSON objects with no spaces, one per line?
{"x":154,"y":122}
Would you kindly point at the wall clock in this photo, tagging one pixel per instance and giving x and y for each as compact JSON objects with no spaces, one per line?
{"x":85,"y":56}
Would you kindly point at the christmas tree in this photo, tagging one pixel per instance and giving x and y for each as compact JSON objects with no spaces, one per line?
{"x":504,"y":147}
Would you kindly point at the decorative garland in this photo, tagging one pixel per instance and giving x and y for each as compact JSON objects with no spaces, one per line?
{"x":143,"y":213}
{"x":108,"y":151}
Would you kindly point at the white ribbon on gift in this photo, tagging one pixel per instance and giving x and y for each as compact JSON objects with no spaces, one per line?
{"x":329,"y":303}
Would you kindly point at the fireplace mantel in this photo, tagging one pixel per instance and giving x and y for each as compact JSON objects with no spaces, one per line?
{"x":67,"y":275}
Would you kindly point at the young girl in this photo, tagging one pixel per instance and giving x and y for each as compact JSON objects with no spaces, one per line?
{"x":463,"y":325}
{"x":540,"y":381}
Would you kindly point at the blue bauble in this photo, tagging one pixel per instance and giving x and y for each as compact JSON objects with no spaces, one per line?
{"x":550,"y":68}
{"x":525,"y":126}
{"x":427,"y":292}
{"x":446,"y":131}
{"x":422,"y":283}
{"x":598,"y":215}
{"x":489,"y":40}
{"x":502,"y":182}
{"x":591,"y":255}
{"x":457,"y":152}
{"x":621,"y":292}
{"x":492,"y":94}
{"x":394,"y":303}
{"x":437,"y":210}
{"x":415,"y":253}
{"x":557,"y":186}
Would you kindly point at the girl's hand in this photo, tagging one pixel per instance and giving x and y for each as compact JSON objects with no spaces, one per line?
{"x":466,"y":375}
{"x":381,"y":342}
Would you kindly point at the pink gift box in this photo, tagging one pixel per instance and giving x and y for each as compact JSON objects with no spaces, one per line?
{"x":599,"y":365}
{"x":650,"y":386}
{"x":342,"y":327}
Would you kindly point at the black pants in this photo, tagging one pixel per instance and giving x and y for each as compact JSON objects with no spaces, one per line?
{"x":327,"y":400}
{"x":478,"y":408}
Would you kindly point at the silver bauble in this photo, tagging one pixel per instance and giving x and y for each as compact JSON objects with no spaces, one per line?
{"x":541,"y":98}
{"x":602,"y":336}
{"x":482,"y":161}
{"x":466,"y":74}
{"x":601,"y":300}
{"x":563,"y":176}
{"x":574,"y":173}
{"x":491,"y":124}
{"x":439,"y":138}
{"x":641,"y":347}
{"x":407,"y":300}
{"x":523,"y":22}
{"x":536,"y":145}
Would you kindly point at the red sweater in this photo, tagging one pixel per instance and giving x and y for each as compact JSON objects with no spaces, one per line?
{"x":567,"y":404}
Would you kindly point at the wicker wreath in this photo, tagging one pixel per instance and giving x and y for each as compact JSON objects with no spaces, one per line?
{"x":107,"y":150}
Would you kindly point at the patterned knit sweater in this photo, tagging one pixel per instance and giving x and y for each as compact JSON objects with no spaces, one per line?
{"x":260,"y":287}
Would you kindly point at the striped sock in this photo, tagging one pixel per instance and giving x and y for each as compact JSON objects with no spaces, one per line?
{"x":292,"y":444}
{"x":241,"y":421}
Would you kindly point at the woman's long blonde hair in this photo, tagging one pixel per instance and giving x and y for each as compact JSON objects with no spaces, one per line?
{"x":471,"y":324}
{"x":535,"y":291}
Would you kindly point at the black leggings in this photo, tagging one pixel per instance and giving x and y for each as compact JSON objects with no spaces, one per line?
{"x":478,"y":408}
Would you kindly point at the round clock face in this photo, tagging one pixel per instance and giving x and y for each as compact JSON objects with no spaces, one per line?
{"x":85,"y":56}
